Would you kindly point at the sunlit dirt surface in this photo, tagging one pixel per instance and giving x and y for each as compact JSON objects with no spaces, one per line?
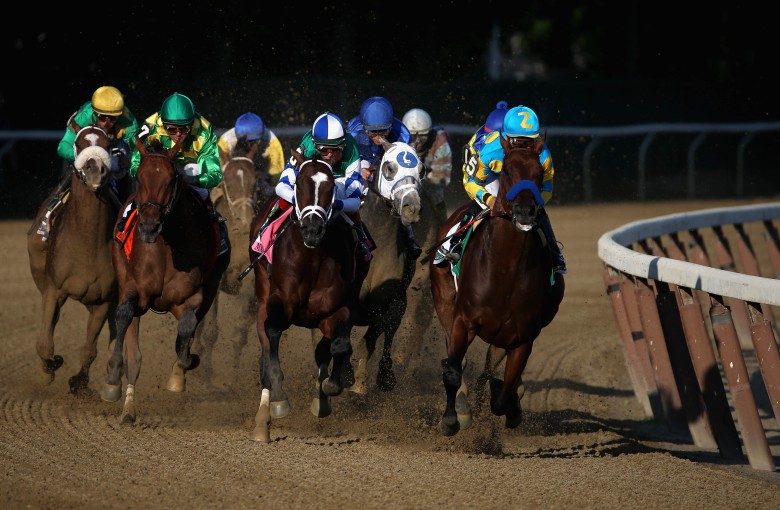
{"x":584,"y":443}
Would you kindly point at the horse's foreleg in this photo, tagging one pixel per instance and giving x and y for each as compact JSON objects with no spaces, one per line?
{"x":493,"y":358}
{"x":206,"y":339}
{"x":50,"y":362}
{"x":112,"y":388}
{"x":97,"y":318}
{"x":385,"y":377}
{"x":185,"y":361}
{"x":273,"y":376}
{"x":505,"y":396}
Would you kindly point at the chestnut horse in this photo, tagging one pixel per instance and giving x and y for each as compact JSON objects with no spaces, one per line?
{"x":75,"y":261}
{"x":172,"y":267}
{"x":506,"y":290}
{"x":312,"y":281}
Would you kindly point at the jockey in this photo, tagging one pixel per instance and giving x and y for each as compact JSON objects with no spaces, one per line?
{"x":432,"y":144}
{"x":374,"y":124}
{"x":494,"y":122}
{"x":197,"y":160}
{"x":480,"y":179}
{"x":248,"y":132}
{"x":106,"y":110}
{"x":331,"y":144}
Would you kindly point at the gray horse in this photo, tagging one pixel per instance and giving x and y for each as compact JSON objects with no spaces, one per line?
{"x":392,"y":204}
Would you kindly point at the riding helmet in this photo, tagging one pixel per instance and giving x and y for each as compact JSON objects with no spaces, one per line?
{"x":521,"y":121}
{"x":251,"y":126}
{"x":178,"y":110}
{"x":328,"y":130}
{"x":417,"y":121}
{"x":376,"y":114}
{"x":495,"y":120}
{"x":108,"y":100}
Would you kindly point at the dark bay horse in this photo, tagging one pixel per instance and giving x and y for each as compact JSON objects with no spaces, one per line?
{"x":234,"y":198}
{"x":392,"y":204}
{"x":172,"y":267}
{"x":506,"y":291}
{"x":312,"y":281}
{"x":75,"y":262}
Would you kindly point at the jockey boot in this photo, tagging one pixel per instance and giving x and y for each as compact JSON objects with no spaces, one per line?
{"x":413,"y":248}
{"x":54,"y":202}
{"x":224,"y":242}
{"x":559,"y":264}
{"x":272,"y":215}
{"x":364,"y":244}
{"x":451,"y":251}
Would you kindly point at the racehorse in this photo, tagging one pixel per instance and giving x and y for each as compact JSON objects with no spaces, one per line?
{"x":172,"y":266}
{"x":234,"y":198}
{"x":75,"y":261}
{"x":312,"y":281}
{"x":506,"y":292}
{"x":392,"y":204}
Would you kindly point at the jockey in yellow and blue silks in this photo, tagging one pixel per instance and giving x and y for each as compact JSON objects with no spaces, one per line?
{"x":198,"y":157}
{"x":481,"y":172}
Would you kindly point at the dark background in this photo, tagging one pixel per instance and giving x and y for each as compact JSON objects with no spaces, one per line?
{"x":595,"y":64}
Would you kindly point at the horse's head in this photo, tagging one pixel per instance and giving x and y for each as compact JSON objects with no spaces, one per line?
{"x":398,"y":180}
{"x":238,"y":187}
{"x":315,"y":190}
{"x":158,"y":184}
{"x":92,"y":162}
{"x":520,"y":184}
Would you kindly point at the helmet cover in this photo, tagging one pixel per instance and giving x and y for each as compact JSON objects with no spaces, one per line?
{"x":108,"y":100}
{"x":521,"y":121}
{"x":376,"y":114}
{"x":328,"y":130}
{"x":251,"y":126}
{"x":178,"y":110}
{"x":417,"y":121}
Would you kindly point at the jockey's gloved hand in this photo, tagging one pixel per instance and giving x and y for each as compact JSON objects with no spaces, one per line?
{"x":190,"y":172}
{"x":338,"y":205}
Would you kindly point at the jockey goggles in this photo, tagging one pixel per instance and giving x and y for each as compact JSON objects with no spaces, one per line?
{"x":324,"y":149}
{"x":176,"y":129}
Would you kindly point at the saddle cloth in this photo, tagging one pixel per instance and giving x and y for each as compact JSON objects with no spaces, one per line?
{"x":265,"y":244}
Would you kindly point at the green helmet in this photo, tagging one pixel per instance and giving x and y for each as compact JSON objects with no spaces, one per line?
{"x":177,"y":110}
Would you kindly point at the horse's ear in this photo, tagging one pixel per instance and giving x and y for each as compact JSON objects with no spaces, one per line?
{"x":173,"y":150}
{"x":539,"y":145}
{"x":385,"y":144}
{"x":504,"y":144}
{"x":140,"y":146}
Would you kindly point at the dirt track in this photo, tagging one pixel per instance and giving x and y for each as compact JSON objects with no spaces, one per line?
{"x":585,"y":442}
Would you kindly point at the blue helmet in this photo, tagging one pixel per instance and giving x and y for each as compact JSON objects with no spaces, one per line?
{"x":251,"y":126}
{"x":495,"y":120}
{"x":521,"y":121}
{"x":328,"y":130}
{"x":376,"y":114}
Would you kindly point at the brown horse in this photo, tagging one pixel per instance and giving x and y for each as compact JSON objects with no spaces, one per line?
{"x":506,"y":291}
{"x":172,"y":267}
{"x":75,"y":262}
{"x":312,"y":282}
{"x":392,"y":204}
{"x":234,"y":198}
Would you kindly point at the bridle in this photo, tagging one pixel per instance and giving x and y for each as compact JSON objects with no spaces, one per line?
{"x":91,"y":152}
{"x":165,"y":209}
{"x":240,"y":201}
{"x":523,"y":184}
{"x":314,"y":209}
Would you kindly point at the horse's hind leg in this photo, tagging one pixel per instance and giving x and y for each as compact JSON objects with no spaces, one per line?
{"x":97,"y":318}
{"x":364,"y":351}
{"x":340,"y":350}
{"x":185,"y":360}
{"x":206,"y":339}
{"x":452,"y":377}
{"x":50,"y":362}
{"x":320,"y":405}
{"x":112,"y":389}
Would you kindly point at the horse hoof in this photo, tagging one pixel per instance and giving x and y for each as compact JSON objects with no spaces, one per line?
{"x":261,"y":434}
{"x":110,"y":392}
{"x":463,"y":411}
{"x":53,"y":364}
{"x":78,"y":383}
{"x":280,"y":408}
{"x":448,"y":429}
{"x":514,"y":421}
{"x":45,"y":378}
{"x":127,"y":419}
{"x":332,"y":387}
{"x":386,"y":382}
{"x":358,"y":388}
{"x":176,"y":384}
{"x":320,"y":407}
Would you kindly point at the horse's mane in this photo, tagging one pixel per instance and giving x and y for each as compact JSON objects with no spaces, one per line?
{"x":156,"y":146}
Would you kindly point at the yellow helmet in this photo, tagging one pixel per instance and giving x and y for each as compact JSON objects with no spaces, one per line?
{"x":108,"y":100}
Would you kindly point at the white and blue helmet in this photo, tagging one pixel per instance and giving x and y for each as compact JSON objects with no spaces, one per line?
{"x":521,"y":121}
{"x":251,"y":126}
{"x":328,"y":130}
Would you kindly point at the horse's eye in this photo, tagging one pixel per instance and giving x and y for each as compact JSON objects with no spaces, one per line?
{"x":389,"y":171}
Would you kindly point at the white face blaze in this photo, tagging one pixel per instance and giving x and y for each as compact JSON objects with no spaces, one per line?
{"x":318,"y":179}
